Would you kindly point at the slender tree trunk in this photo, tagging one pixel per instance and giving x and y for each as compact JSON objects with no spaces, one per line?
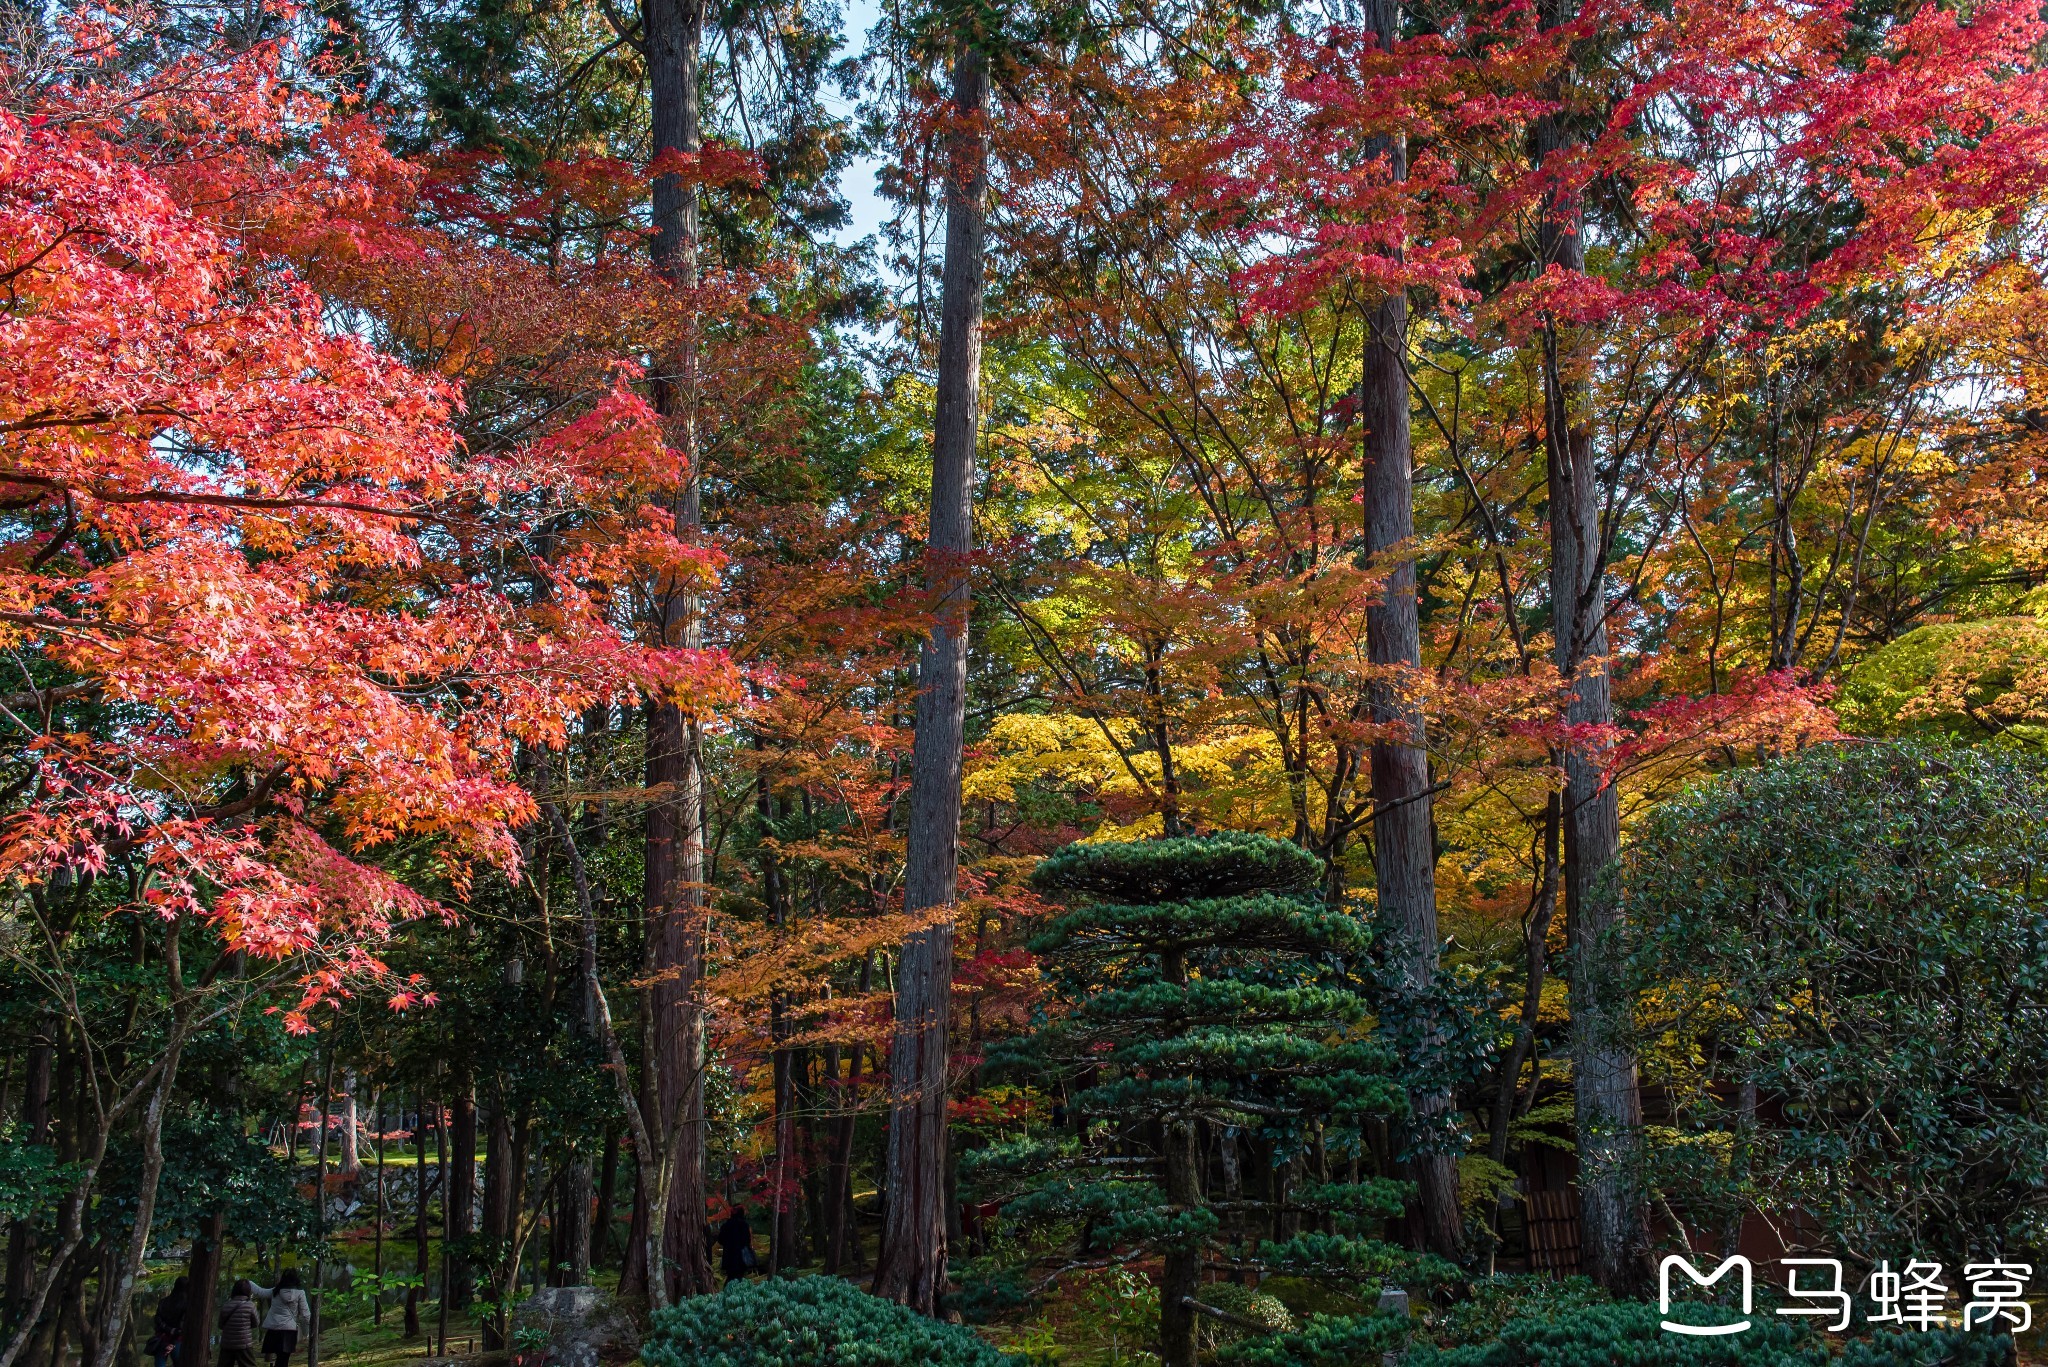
{"x":647,"y":1168}
{"x":377,"y":1253}
{"x":573,"y":1225}
{"x":633,"y":1279}
{"x":1613,"y":1217}
{"x":417,"y":1292}
{"x":675,"y":825}
{"x":1535,"y":950}
{"x":782,"y":1233}
{"x":607,"y":1197}
{"x":441,"y":1166}
{"x":839,"y":1220}
{"x":913,"y":1269}
{"x":313,"y":1292}
{"x":126,"y":1266}
{"x":1404,"y":836}
{"x":501,"y":1202}
{"x":351,"y":1152}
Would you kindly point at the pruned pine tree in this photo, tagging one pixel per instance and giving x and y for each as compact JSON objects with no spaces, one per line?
{"x":1217,"y":1068}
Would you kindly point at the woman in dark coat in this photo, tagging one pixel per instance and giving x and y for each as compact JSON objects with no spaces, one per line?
{"x":735,"y":1246}
{"x":168,"y":1328}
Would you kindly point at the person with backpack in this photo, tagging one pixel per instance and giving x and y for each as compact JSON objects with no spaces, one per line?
{"x":239,"y":1320}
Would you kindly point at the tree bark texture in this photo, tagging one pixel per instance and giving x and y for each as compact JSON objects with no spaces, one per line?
{"x":913,"y":1270}
{"x":674,"y":896}
{"x":1613,"y":1217}
{"x":202,"y":1291}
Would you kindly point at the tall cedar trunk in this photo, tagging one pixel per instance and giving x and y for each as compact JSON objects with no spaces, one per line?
{"x":1404,"y":845}
{"x":913,"y":1268}
{"x":1613,"y":1220}
{"x":675,"y":825}
{"x":461,"y":1193}
{"x":578,"y":1184}
{"x":35,"y":1121}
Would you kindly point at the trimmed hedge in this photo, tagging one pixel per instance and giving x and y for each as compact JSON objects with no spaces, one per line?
{"x":807,"y":1322}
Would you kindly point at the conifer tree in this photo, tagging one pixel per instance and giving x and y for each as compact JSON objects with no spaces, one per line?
{"x":1215,"y":1015}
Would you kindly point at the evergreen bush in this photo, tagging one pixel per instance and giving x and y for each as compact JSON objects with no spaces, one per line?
{"x":807,"y":1322}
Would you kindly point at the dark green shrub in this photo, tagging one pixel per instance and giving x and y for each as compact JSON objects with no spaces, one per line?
{"x":1858,"y":934}
{"x":807,"y":1322}
{"x":1629,"y":1335}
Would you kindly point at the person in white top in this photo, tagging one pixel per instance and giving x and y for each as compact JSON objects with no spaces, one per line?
{"x":290,"y":1315}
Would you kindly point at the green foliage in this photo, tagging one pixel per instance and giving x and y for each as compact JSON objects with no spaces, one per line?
{"x":1152,"y":871}
{"x":1489,"y":1303}
{"x":31,"y":1178}
{"x":1116,"y":1312}
{"x":211,"y":1163}
{"x":1323,"y":1341}
{"x":1861,"y":933}
{"x":806,"y":1322}
{"x":1629,"y":1335}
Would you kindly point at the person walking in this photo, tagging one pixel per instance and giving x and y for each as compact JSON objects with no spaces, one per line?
{"x":735,"y":1246}
{"x":239,"y":1319}
{"x":168,"y":1328}
{"x":290,"y":1315}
